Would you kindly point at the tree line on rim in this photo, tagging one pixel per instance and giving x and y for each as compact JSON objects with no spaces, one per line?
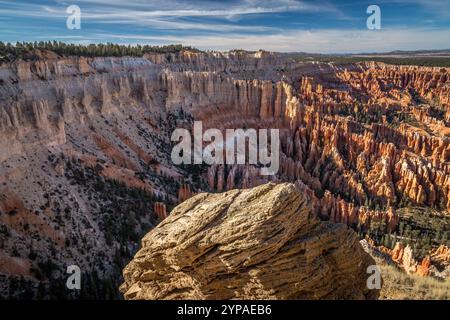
{"x":24,"y":50}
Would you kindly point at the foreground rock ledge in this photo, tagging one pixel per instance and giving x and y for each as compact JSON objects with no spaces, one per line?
{"x":260,"y":243}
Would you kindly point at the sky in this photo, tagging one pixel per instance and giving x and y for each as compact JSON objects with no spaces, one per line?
{"x":275,"y":25}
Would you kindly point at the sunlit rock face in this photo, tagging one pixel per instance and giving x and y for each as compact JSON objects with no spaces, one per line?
{"x":260,"y":243}
{"x":85,"y":148}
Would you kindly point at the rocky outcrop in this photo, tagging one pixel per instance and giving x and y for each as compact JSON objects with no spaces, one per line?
{"x":236,"y":61}
{"x":260,"y":243}
{"x":441,"y":254}
{"x":435,"y":264}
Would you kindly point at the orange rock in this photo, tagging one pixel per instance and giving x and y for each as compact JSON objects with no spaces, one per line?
{"x":424,"y":268}
{"x":160,"y":210}
{"x":184,"y":193}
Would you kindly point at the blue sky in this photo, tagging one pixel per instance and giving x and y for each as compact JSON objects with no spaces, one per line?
{"x":278,"y":25}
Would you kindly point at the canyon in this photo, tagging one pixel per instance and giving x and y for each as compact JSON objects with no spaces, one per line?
{"x":85,"y":167}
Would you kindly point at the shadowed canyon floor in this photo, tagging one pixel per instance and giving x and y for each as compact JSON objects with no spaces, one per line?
{"x":85,"y":168}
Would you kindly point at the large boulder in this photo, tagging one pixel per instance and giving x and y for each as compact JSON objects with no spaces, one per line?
{"x":260,"y":243}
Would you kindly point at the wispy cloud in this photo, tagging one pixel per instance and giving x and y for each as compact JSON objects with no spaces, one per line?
{"x":105,"y":8}
{"x":162,"y":15}
{"x":319,"y":41}
{"x":129,"y":10}
{"x":279,"y":25}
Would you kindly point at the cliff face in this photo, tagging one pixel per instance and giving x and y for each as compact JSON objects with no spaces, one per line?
{"x":209,"y":248}
{"x":86,"y":147}
{"x":40,"y":98}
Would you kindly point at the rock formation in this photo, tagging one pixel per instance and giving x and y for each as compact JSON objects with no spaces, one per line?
{"x":260,"y":243}
{"x":160,"y":210}
{"x":435,"y":264}
{"x":85,"y":146}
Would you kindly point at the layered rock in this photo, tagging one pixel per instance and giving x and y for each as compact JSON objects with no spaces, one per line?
{"x":260,"y":243}
{"x":360,"y":142}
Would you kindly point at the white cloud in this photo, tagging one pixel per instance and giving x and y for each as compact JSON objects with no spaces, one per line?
{"x":314,"y":41}
{"x":134,"y":11}
{"x":169,"y":14}
{"x":195,"y":8}
{"x":205,"y":29}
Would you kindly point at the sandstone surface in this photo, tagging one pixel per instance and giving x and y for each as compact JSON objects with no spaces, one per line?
{"x":260,"y":243}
